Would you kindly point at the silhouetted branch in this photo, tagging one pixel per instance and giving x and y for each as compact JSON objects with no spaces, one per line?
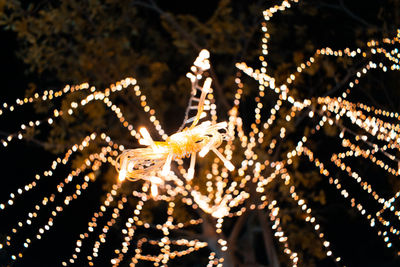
{"x":167,"y":16}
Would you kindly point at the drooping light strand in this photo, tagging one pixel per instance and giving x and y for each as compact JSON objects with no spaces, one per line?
{"x":92,"y":223}
{"x":60,"y":160}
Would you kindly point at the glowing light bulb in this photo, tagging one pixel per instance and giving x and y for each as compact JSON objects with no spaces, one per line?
{"x":122,"y":175}
{"x":204,"y":54}
{"x":206,"y":148}
{"x":167,"y":166}
{"x":190,"y":174}
{"x":207,"y":85}
{"x":226,"y":162}
{"x":154,"y":190}
{"x":147,"y":140}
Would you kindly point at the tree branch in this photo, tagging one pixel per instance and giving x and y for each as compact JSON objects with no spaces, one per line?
{"x":349,"y":74}
{"x":269,"y":244}
{"x":167,"y":16}
{"x":44,"y":145}
{"x":353,"y":16}
{"x":348,"y":12}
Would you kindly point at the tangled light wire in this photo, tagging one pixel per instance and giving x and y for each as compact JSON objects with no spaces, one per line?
{"x":223,"y":198}
{"x":154,"y":162}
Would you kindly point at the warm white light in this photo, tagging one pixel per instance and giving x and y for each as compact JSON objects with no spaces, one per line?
{"x":167,"y":166}
{"x":204,"y":54}
{"x":122,"y":175}
{"x":154,"y":190}
{"x":147,"y":140}
{"x":226,"y":162}
{"x":205,"y":150}
{"x":207,"y":85}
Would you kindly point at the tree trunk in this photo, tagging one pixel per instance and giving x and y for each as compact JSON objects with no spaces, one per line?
{"x":268,"y":241}
{"x":211,"y":236}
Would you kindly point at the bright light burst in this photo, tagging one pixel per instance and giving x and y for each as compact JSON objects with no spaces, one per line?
{"x":224,"y":197}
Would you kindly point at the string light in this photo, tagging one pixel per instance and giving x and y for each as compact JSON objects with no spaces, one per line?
{"x":274,"y":211}
{"x":372,"y":218}
{"x":48,"y":173}
{"x":46,"y":95}
{"x":92,"y":223}
{"x":145,"y":163}
{"x":97,"y":160}
{"x":96,"y":96}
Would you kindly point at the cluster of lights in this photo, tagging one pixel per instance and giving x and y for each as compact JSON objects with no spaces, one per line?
{"x":165,"y":245}
{"x":214,"y":261}
{"x":48,"y":173}
{"x":93,"y":224}
{"x":283,"y":93}
{"x":356,"y":151}
{"x":58,"y":209}
{"x":145,"y":163}
{"x":94,"y":161}
{"x":373,"y":218}
{"x":382,"y":130}
{"x":273,"y":216}
{"x":266,"y":81}
{"x":223,"y":196}
{"x":95,"y":96}
{"x":106,"y":228}
{"x":46,"y":95}
{"x":309,"y":218}
{"x":128,"y":233}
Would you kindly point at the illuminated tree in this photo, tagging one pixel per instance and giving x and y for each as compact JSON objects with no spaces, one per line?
{"x":312,"y":129}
